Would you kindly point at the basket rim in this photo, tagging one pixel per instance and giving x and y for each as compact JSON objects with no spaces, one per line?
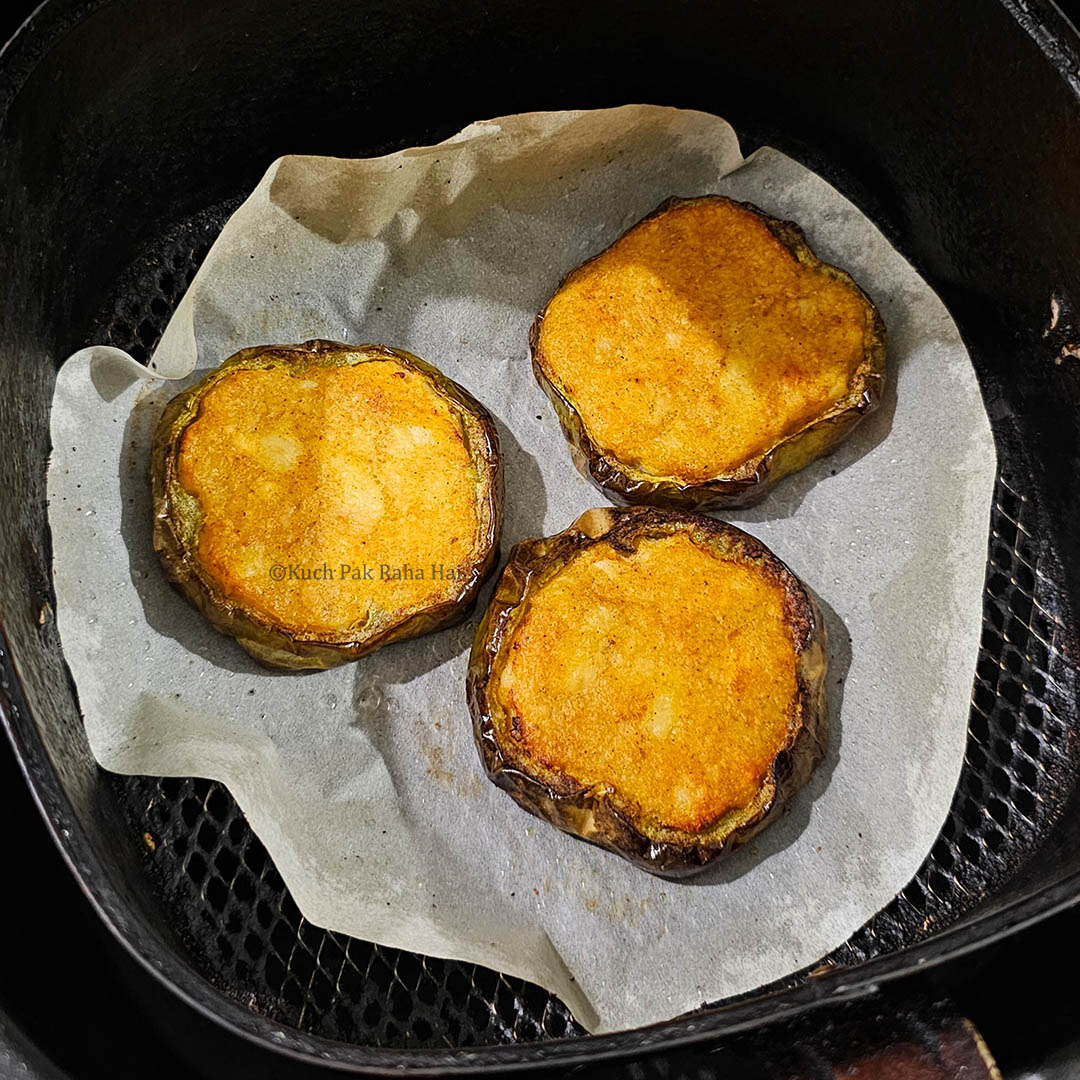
{"x":1059,"y":41}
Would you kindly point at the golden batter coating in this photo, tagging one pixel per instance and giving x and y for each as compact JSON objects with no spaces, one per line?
{"x":702,"y":340}
{"x":614,"y":658}
{"x":333,"y":494}
{"x":652,"y":681}
{"x":345,"y":466}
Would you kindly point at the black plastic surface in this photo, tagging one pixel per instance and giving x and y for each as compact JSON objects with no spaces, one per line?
{"x":907,"y":111}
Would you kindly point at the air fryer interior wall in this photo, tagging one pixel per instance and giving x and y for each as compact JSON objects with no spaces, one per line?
{"x":128,"y":130}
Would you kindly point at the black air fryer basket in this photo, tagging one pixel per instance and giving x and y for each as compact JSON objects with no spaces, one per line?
{"x":129,"y":131}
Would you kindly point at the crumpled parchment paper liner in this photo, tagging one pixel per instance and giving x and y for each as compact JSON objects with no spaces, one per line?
{"x":363,"y":782}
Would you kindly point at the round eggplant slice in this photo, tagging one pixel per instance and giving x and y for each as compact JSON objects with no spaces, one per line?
{"x":317,"y":501}
{"x":706,"y":354}
{"x":652,"y":681}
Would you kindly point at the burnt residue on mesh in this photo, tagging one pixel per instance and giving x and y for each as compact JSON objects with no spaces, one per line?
{"x":241,"y":927}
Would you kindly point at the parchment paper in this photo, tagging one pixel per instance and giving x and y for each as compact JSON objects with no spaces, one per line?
{"x":363,"y":782}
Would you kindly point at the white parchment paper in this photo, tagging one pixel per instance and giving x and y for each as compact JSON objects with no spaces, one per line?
{"x":363,"y":782}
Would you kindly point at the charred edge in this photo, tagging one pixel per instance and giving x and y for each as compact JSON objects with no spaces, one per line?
{"x":269,"y":644}
{"x":568,"y":805}
{"x":734,"y":492}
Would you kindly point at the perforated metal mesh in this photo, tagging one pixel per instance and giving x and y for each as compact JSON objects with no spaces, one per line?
{"x":1019,"y":760}
{"x":236,"y":915}
{"x":244,"y":931}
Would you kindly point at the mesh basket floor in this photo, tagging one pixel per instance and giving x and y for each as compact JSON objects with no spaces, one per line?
{"x":246,"y":935}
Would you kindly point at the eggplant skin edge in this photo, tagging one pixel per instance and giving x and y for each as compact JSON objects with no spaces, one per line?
{"x":751,"y":482}
{"x":590,"y":813}
{"x":269,"y":644}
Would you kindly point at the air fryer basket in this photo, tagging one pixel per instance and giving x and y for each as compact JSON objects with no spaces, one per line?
{"x":129,"y":132}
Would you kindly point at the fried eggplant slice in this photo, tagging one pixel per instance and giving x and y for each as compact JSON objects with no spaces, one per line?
{"x":706,"y":354}
{"x":317,"y":501}
{"x":652,"y":681}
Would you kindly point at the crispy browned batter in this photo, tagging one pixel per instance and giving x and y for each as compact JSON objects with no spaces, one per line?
{"x":650,"y":680}
{"x":613,"y":658}
{"x":344,"y":466}
{"x":702,"y":340}
{"x":331,"y":494}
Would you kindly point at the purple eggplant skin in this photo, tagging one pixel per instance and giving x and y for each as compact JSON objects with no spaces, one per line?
{"x":176,"y":516}
{"x":750,"y":482}
{"x":590,"y":812}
